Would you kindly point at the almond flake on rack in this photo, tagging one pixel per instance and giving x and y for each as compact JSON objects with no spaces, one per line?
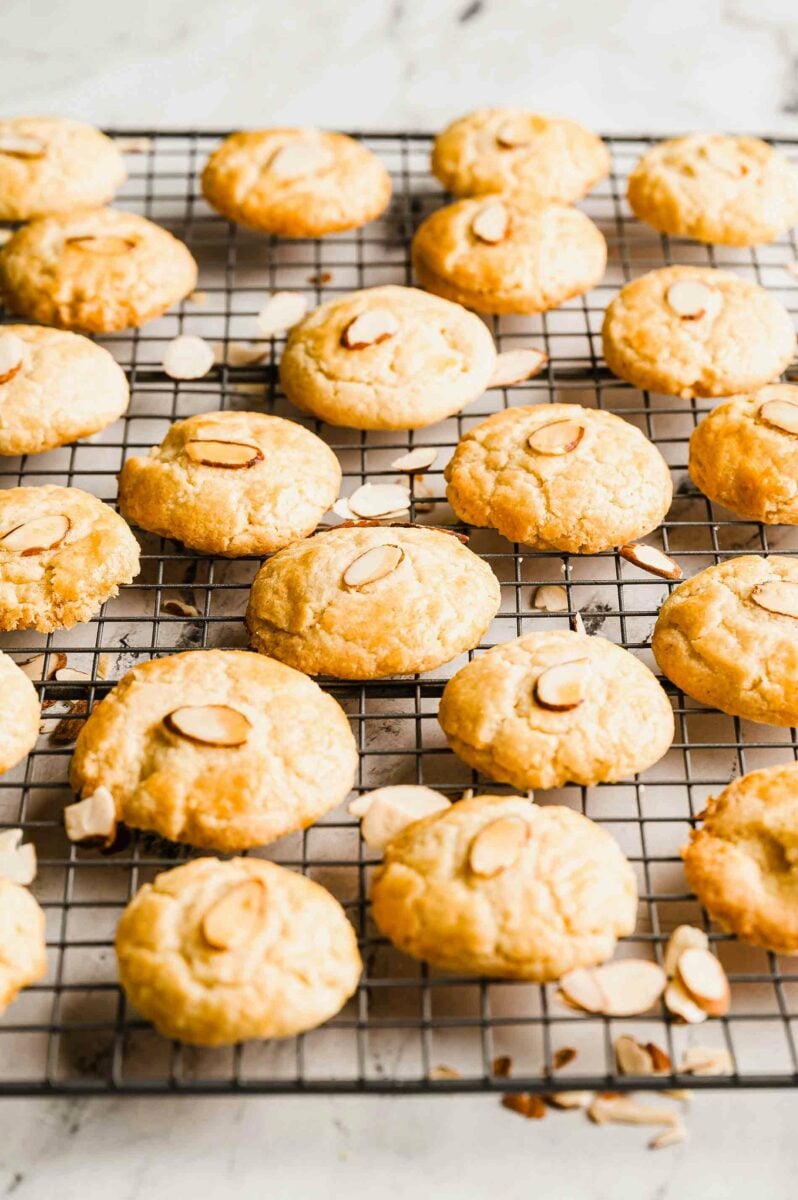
{"x":71,"y":675}
{"x":491,"y":223}
{"x":22,"y":146}
{"x":188,"y":357}
{"x":684,"y":937}
{"x":516,"y":366}
{"x":704,"y":979}
{"x":777,"y":596}
{"x":497,"y":846}
{"x":635,"y":1058}
{"x":282,"y":311}
{"x":12,"y":356}
{"x":239,"y":354}
{"x":420,"y":458}
{"x":299,"y":158}
{"x":626,"y":1110}
{"x":569,"y":1100}
{"x":707,"y":1060}
{"x":625,"y":988}
{"x":17,"y":862}
{"x":563,"y":686}
{"x":373,"y":565}
{"x":669,"y":1137}
{"x":39,"y":668}
{"x":37,"y":535}
{"x":92,"y":819}
{"x":236,"y":917}
{"x":370,"y":328}
{"x":441,"y":1071}
{"x":526,"y":1104}
{"x":386,"y":811}
{"x":650,"y":559}
{"x":679,"y":1002}
{"x":179,"y":608}
{"x":550,"y":597}
{"x":379,"y":499}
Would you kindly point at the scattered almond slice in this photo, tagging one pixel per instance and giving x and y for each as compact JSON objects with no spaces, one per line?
{"x":386,"y":811}
{"x":516,"y":366}
{"x":626,"y":1110}
{"x":691,"y":299}
{"x":563,"y":687}
{"x":563,"y":1056}
{"x":239,"y":354}
{"x":22,"y":146}
{"x":624,"y":988}
{"x":179,"y":608}
{"x":12,"y":356}
{"x":649,"y":558}
{"x":491,"y":223}
{"x":92,"y":819}
{"x":705,"y":981}
{"x":707,"y":1060}
{"x":35,"y":667}
{"x":550,"y":597}
{"x":370,"y":328}
{"x":37,"y":535}
{"x":502,"y":1066}
{"x":282,"y":311}
{"x":679,"y":1002}
{"x":209,"y":724}
{"x":777,"y":596}
{"x":514,"y":132}
{"x":669,"y":1137}
{"x":134,"y":145}
{"x":780,"y":410}
{"x":497,"y":846}
{"x":235,"y":918}
{"x":577,"y":624}
{"x":379,"y":499}
{"x":684,"y":937}
{"x":526,"y":1104}
{"x":17,"y":862}
{"x":341,"y":509}
{"x":107,"y":245}
{"x":443,"y":1072}
{"x":188,"y":357}
{"x":635,"y":1058}
{"x":557,"y":437}
{"x":419,"y":459}
{"x":373,"y":565}
{"x":569,"y":1100}
{"x":214,"y":452}
{"x":71,"y":675}
{"x":299,"y":158}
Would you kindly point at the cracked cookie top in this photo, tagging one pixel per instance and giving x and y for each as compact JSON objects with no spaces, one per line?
{"x":51,"y":165}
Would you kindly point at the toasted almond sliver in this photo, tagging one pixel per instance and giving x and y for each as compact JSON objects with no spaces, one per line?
{"x":299,"y":158}
{"x":419,"y":459}
{"x":209,"y":724}
{"x":214,"y":452}
{"x":370,"y":328}
{"x":491,"y":223}
{"x":37,"y":535}
{"x":569,"y":1100}
{"x":372,"y":565}
{"x":660,"y":1058}
{"x":526,"y":1104}
{"x":625,"y":1110}
{"x":92,"y":819}
{"x":515,"y":131}
{"x":777,"y":596}
{"x":71,"y":675}
{"x":281,"y":311}
{"x":632,"y":1057}
{"x":516,"y":366}
{"x":12,"y":356}
{"x":34,"y":667}
{"x":669,"y":1137}
{"x":236,"y":916}
{"x":502,"y":1066}
{"x":557,"y":437}
{"x":239,"y":354}
{"x":379,"y":499}
{"x":624,"y":988}
{"x":17,"y":862}
{"x":705,"y":980}
{"x":550,"y":597}
{"x":781,"y":414}
{"x":562,"y":1057}
{"x":707,"y":1060}
{"x":581,"y":989}
{"x":107,"y":245}
{"x":179,"y":608}
{"x":497,"y":846}
{"x":649,"y":558}
{"x":690,"y":299}
{"x":22,"y":146}
{"x":679,"y":1002}
{"x":441,"y":1071}
{"x":188,"y":357}
{"x":387,"y":811}
{"x":563,"y":686}
{"x":684,"y":937}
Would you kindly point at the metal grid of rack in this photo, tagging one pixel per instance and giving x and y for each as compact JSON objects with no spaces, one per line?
{"x":74,"y":1032}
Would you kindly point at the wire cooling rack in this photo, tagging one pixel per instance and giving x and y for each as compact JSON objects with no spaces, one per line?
{"x":407,"y":1029}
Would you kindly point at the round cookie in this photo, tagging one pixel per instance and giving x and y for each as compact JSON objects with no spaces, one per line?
{"x":20,"y":714}
{"x":387,"y":358}
{"x":63,"y":553}
{"x":728,"y":637}
{"x":297,"y":183}
{"x":559,"y":477}
{"x":744,"y":455}
{"x":741,"y":862}
{"x":24,"y":955}
{"x":735,"y":191}
{"x":498,"y":254}
{"x":222,"y":749}
{"x":216,"y":952}
{"x":419,"y":599}
{"x":513,"y":150}
{"x":232,"y":483}
{"x":55,"y":387}
{"x":519,"y":715}
{"x":501,"y":887}
{"x":51,"y":165}
{"x":96,"y":272}
{"x":695,"y":331}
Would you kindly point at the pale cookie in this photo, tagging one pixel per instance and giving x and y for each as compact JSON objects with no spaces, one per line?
{"x":554,"y":708}
{"x":216,"y":952}
{"x":743,"y":861}
{"x":369,"y":601}
{"x":298,"y":183}
{"x":735,"y":191}
{"x":744,"y":455}
{"x":387,"y":358}
{"x":695,"y":331}
{"x":559,"y":477}
{"x":23,"y":954}
{"x":55,"y":387}
{"x":497,"y":254}
{"x":63,"y":553}
{"x":222,"y":749}
{"x":729,"y":638}
{"x":20,"y":714}
{"x":51,"y":165}
{"x":98,"y":271}
{"x":502,"y":887}
{"x":513,"y":150}
{"x":232,"y":483}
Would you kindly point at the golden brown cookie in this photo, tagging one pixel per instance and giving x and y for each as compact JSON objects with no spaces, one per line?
{"x":736,"y":191}
{"x":729,"y":638}
{"x":63,"y":553}
{"x":502,"y":887}
{"x":559,"y":477}
{"x":695,"y":331}
{"x":554,"y":708}
{"x":369,"y":601}
{"x":499,"y":254}
{"x":20,"y":714}
{"x":387,"y":358}
{"x":298,"y":183}
{"x":513,"y":150}
{"x":23,"y":954}
{"x":51,"y":165}
{"x":741,"y":863}
{"x":97,"y":272}
{"x":222,"y":749}
{"x":216,"y":952}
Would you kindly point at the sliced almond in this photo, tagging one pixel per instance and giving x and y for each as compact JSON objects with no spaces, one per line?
{"x":626,"y":1110}
{"x":632,"y":1057}
{"x":12,"y":356}
{"x":17,"y":862}
{"x":239,"y":354}
{"x":370,"y":328}
{"x":92,"y":819}
{"x":624,"y":988}
{"x":71,"y":675}
{"x":555,"y":438}
{"x":497,"y":846}
{"x":581,"y":989}
{"x":107,"y":245}
{"x":777,"y":596}
{"x":37,"y":535}
{"x":705,"y":980}
{"x":441,"y":1071}
{"x":372,"y":565}
{"x":43,"y":666}
{"x":188,"y":357}
{"x":22,"y":146}
{"x":649,"y":558}
{"x":526,"y":1104}
{"x":179,"y":608}
{"x":707,"y":1060}
{"x":214,"y":452}
{"x":516,"y":366}
{"x":569,"y":1100}
{"x":420,"y":459}
{"x":562,"y":1057}
{"x":691,"y":299}
{"x":209,"y":724}
{"x":577,"y":624}
{"x":299,"y":158}
{"x":684,"y":937}
{"x":387,"y":811}
{"x":660,"y":1058}
{"x":491,"y":223}
{"x":514,"y":132}
{"x":282,"y":311}
{"x":502,"y":1066}
{"x":563,"y":687}
{"x":235,"y":918}
{"x":669,"y":1137}
{"x":379,"y":499}
{"x":679,"y":1002}
{"x":781,"y":414}
{"x":550,"y":597}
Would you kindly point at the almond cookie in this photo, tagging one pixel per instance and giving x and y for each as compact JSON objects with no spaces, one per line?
{"x":499,"y":886}
{"x":97,"y":272}
{"x":387,"y":358}
{"x":369,"y":601}
{"x":695,"y":331}
{"x":23,"y":954}
{"x":559,"y":477}
{"x":63,"y":553}
{"x":729,"y":638}
{"x":742,"y":862}
{"x":20,"y":714}
{"x":216,"y":952}
{"x":554,"y":708}
{"x":232,"y":483}
{"x":498,"y":254}
{"x":736,"y":191}
{"x":297,"y":183}
{"x":222,"y":749}
{"x":512,"y":150}
{"x":744,"y":455}
{"x":50,"y":165}
{"x":55,"y":387}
